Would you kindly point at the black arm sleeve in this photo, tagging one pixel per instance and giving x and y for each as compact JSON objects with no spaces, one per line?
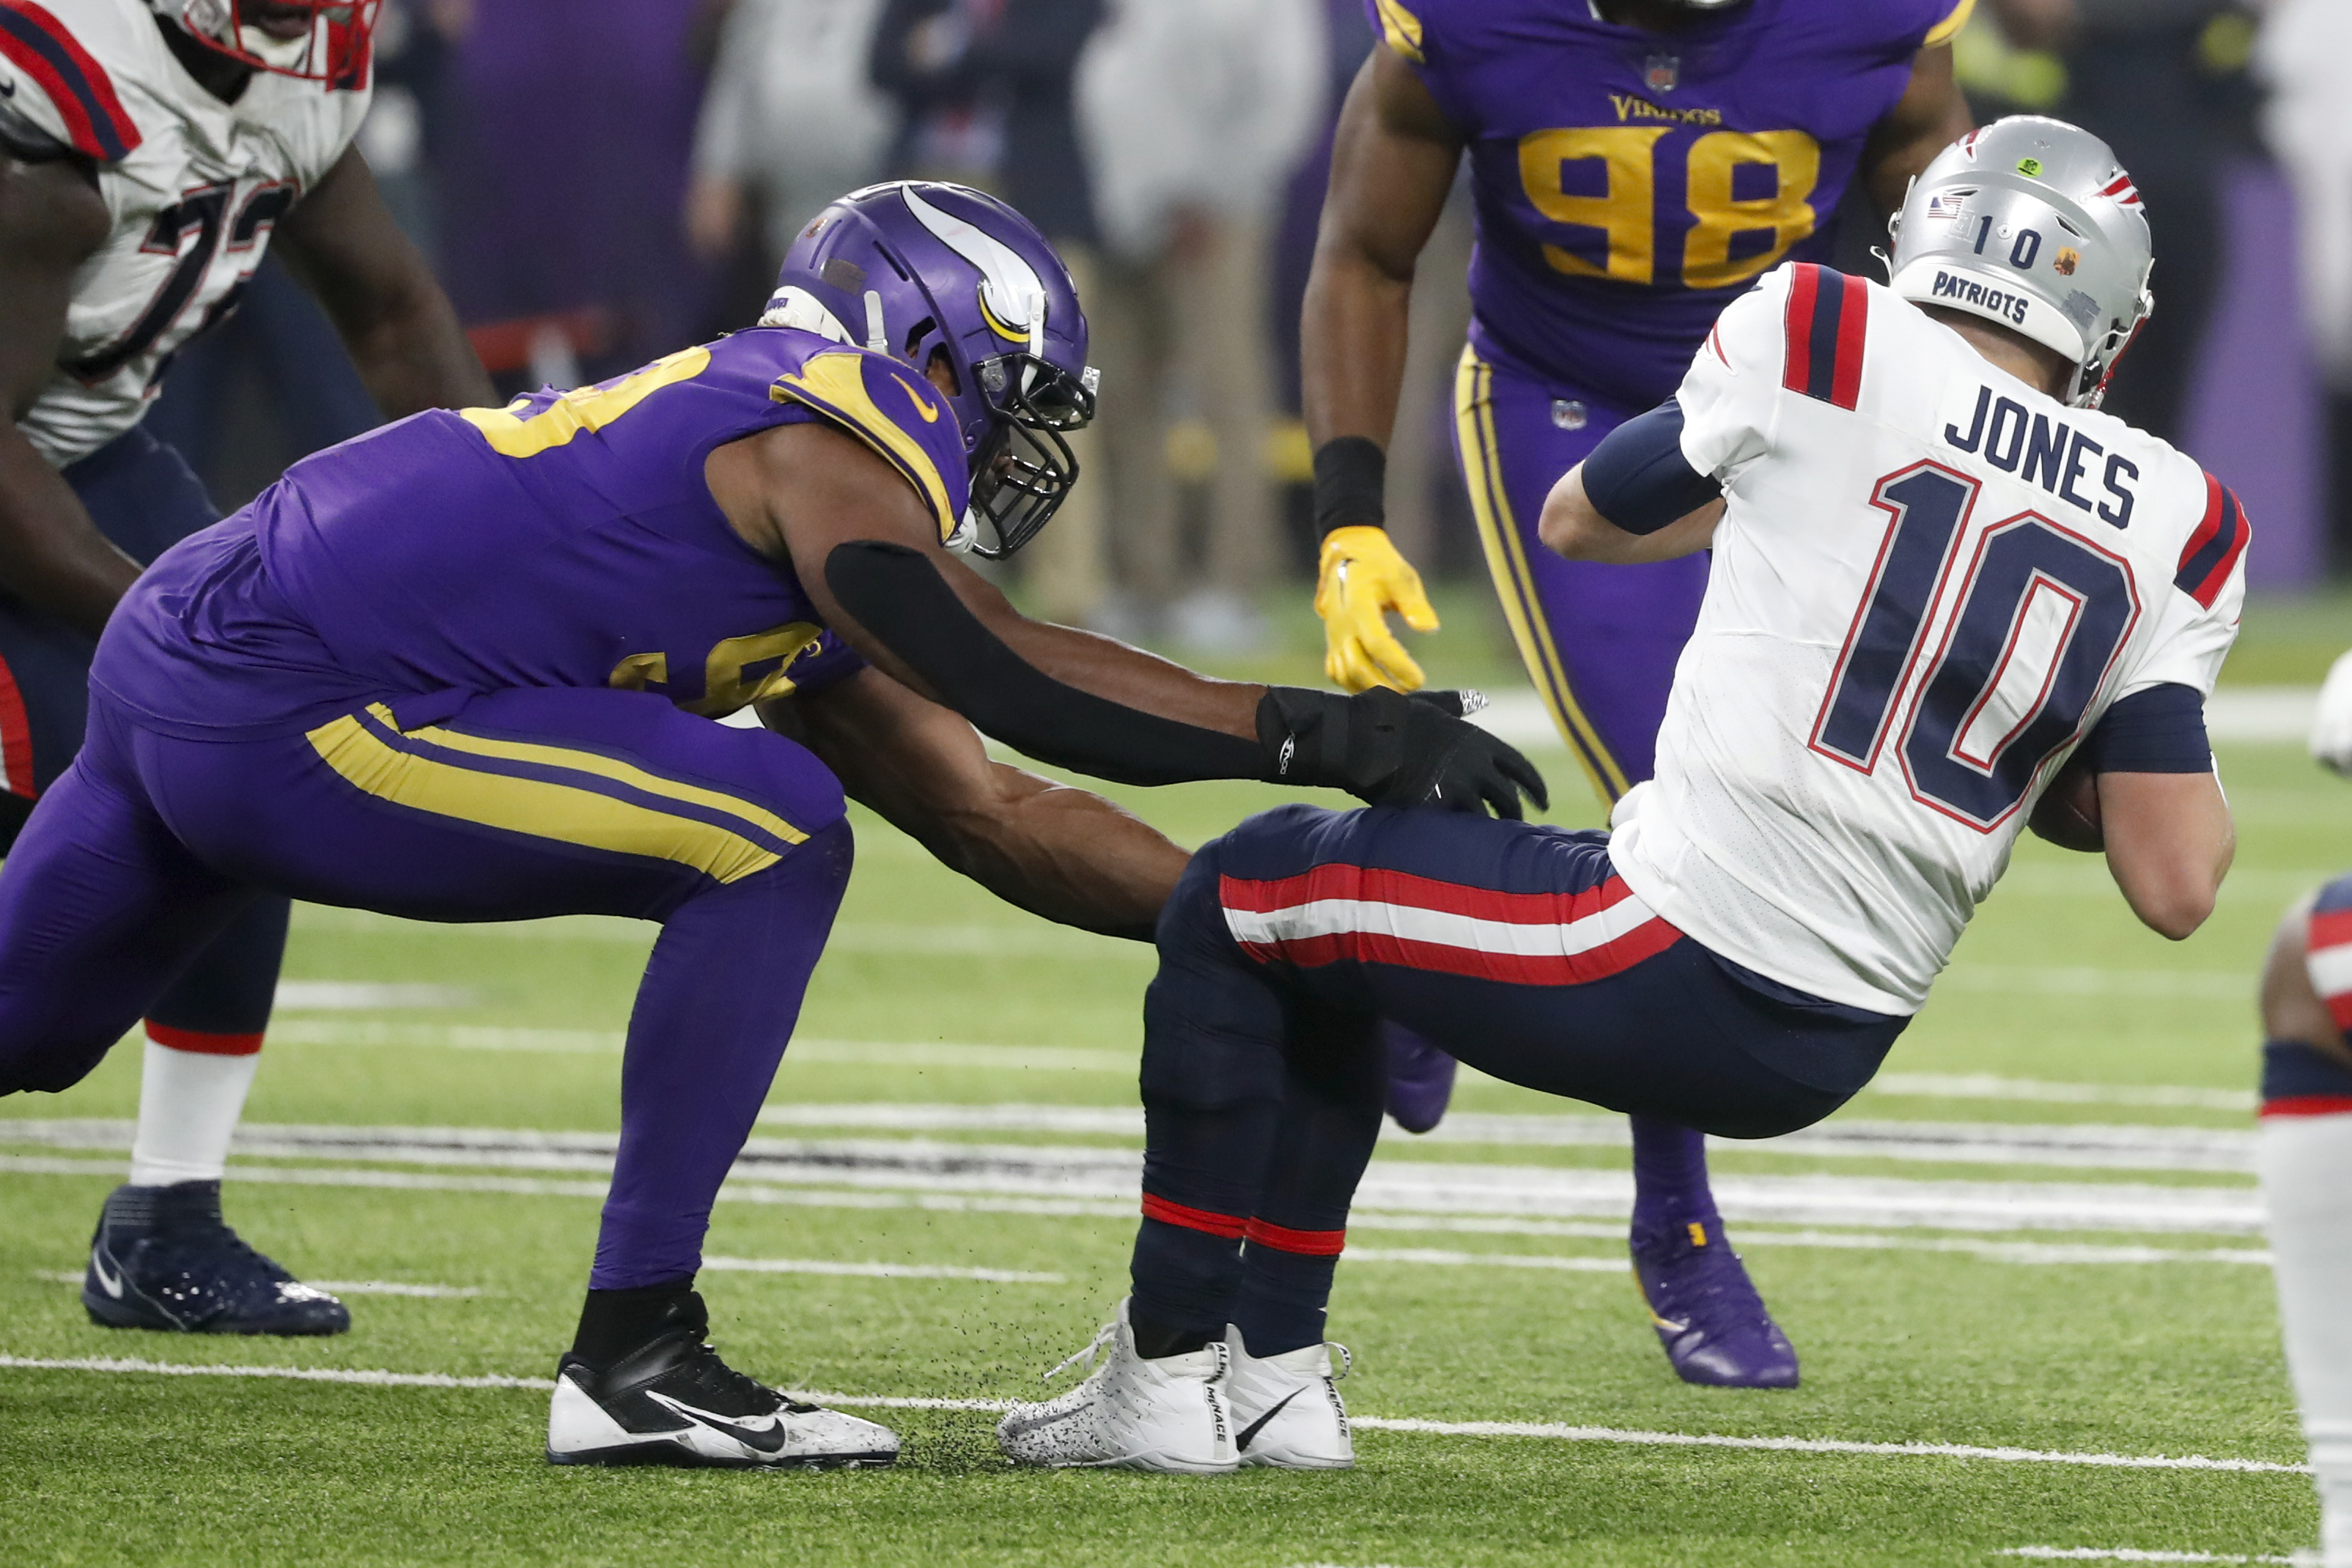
{"x":900,"y":597}
{"x":2159,"y":730}
{"x":1638,"y":478}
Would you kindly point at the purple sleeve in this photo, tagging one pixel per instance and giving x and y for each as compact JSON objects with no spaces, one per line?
{"x":833,"y":661}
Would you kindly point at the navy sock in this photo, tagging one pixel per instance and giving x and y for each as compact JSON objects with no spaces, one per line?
{"x":1285,"y":1291}
{"x":1670,"y":1186}
{"x":1183,"y":1281}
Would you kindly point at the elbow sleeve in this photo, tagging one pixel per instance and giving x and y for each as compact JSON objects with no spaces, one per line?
{"x":2159,"y":730}
{"x":899,"y":596}
{"x":1638,"y":478}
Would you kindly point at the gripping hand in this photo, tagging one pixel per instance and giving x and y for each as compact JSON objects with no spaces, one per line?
{"x":1360,"y":579}
{"x":1389,"y":749}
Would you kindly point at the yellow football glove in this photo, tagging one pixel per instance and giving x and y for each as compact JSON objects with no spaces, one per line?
{"x":1360,"y":579}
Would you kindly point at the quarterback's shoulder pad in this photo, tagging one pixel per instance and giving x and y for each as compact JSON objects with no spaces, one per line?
{"x":1822,"y":320}
{"x":892,"y":409}
{"x":53,"y":80}
{"x":2215,"y":545}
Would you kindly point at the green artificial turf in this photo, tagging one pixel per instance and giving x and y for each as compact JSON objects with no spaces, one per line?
{"x":1901,"y":1344}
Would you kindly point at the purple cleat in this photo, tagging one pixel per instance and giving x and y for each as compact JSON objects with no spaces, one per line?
{"x":1421,"y":1079}
{"x":1710,"y":1320}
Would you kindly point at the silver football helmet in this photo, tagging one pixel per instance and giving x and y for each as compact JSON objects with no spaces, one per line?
{"x":2032,"y":223}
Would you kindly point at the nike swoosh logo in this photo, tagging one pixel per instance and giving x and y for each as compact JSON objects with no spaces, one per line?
{"x":768,"y":1440}
{"x":1252,"y":1430}
{"x":931,"y":414}
{"x":110,"y":1283}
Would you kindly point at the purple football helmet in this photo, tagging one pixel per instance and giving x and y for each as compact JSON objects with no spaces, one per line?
{"x":916,"y":268}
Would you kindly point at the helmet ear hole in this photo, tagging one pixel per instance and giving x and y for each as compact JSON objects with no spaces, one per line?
{"x":914,"y":336}
{"x":942,"y":364}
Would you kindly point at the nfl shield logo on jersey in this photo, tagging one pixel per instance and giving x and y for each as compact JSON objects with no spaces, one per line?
{"x":1661,"y":72}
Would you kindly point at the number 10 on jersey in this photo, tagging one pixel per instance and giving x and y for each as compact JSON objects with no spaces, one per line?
{"x":2038,"y":618}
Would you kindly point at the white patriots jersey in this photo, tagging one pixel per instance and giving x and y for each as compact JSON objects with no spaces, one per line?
{"x":194,"y":186}
{"x":1929,"y":582}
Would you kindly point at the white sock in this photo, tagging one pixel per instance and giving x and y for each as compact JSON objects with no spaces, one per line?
{"x":189,"y":1102}
{"x":2306,"y":1163}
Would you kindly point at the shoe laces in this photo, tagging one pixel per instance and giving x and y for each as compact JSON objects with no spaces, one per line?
{"x":703,"y":1366}
{"x":1088,"y":1357}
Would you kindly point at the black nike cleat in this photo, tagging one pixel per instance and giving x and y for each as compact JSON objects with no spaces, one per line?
{"x":671,"y":1401}
{"x":163,"y":1258}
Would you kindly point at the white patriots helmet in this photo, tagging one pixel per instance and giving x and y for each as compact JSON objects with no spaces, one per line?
{"x":2032,"y":223}
{"x":316,"y":41}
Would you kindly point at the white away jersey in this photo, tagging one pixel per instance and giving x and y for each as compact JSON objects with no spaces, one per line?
{"x":1929,"y":582}
{"x":194,"y":185}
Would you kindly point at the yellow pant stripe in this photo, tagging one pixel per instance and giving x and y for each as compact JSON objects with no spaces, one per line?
{"x":604,"y":768}
{"x":541,"y":809}
{"x":1506,"y":562}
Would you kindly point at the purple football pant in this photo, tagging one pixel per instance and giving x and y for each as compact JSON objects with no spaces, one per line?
{"x":512,"y":806}
{"x":1599,"y":641}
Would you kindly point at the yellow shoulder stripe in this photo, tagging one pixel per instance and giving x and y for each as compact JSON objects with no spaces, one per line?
{"x":1401,"y":28}
{"x":1941,"y":33}
{"x":584,"y":408}
{"x":833,"y":384}
{"x":543,"y":809}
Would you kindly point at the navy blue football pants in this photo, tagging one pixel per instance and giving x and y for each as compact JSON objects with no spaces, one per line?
{"x":1516,"y":947}
{"x":145,"y":499}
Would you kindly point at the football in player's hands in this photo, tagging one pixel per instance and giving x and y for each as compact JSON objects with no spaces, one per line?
{"x":2067,"y":814}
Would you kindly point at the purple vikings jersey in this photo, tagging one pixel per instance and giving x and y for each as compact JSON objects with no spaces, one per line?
{"x":1630,"y":183}
{"x":566,"y":540}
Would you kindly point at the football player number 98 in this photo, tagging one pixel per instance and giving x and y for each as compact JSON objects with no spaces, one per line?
{"x":1787,"y":161}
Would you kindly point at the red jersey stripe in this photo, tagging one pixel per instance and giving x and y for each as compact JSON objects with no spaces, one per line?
{"x":1646,"y":940}
{"x":1797,"y":371}
{"x":43,"y":47}
{"x":1311,"y":1243}
{"x":1230,"y":1226}
{"x":1373,"y":885}
{"x":16,"y":738}
{"x":2331,"y":928}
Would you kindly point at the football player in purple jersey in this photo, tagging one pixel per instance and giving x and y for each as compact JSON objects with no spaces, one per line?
{"x":1636,"y":165}
{"x":463,"y":668}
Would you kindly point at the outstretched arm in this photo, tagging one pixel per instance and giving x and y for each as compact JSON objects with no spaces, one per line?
{"x":1059,"y":852}
{"x":1392,"y":163}
{"x":1930,"y":115}
{"x":402,"y":333}
{"x":51,"y":555}
{"x":867,"y":552}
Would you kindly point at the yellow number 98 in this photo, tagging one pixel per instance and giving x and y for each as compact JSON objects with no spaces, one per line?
{"x":1626,"y":213}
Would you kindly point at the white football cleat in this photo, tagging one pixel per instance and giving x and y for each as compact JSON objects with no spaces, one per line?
{"x":1287,"y":1412}
{"x":1133,"y":1414}
{"x":673,"y":1402}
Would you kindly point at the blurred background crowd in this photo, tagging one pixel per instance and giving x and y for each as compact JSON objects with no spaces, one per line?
{"x":602,"y":181}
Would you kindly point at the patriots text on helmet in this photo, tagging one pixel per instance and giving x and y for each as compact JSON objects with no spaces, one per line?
{"x":2012,"y":306}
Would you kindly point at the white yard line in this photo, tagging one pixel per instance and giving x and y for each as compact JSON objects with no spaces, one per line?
{"x":2134,"y":1554}
{"x":1950,"y":1143}
{"x":367,"y":996}
{"x":1428,"y":1186}
{"x":879,"y":1270}
{"x":339,"y":1287}
{"x":1990,"y":1086}
{"x":1554,"y":1431}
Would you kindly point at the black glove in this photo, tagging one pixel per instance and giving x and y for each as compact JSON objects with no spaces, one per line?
{"x":1389,"y":749}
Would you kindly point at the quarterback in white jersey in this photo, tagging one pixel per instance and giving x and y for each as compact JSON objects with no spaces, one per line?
{"x":150,"y":152}
{"x":1931,"y":579}
{"x":1948,"y":600}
